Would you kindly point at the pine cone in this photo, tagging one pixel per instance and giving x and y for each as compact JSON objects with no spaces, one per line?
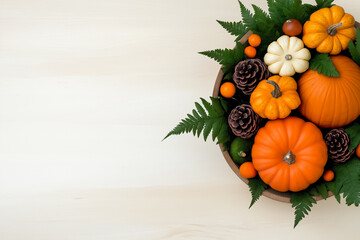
{"x":249,"y":73}
{"x":338,"y":141}
{"x":243,"y":121}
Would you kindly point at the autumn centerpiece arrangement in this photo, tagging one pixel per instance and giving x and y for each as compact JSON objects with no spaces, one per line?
{"x":288,"y":105}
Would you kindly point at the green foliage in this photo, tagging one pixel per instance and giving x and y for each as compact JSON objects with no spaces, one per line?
{"x":302,"y":202}
{"x":332,"y":187}
{"x":323,"y":64}
{"x":257,"y":187}
{"x":319,"y":189}
{"x":237,"y":29}
{"x":207,"y":119}
{"x":323,"y":4}
{"x":227,"y":57}
{"x":347,"y":179}
{"x":354,"y":133}
{"x":282,"y":10}
{"x":354,"y":48}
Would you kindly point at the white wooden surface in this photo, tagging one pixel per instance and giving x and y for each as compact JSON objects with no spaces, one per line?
{"x":87,"y":91}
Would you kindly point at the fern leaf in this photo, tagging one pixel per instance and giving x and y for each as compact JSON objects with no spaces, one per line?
{"x":208,"y":107}
{"x":317,"y":189}
{"x":200,"y":110}
{"x":332,"y":187}
{"x":218,"y":55}
{"x":257,"y":187}
{"x":323,"y":4}
{"x":247,"y":18}
{"x":228,"y":58}
{"x":322,"y":189}
{"x":302,"y":202}
{"x":206,"y":119}
{"x":207,"y":129}
{"x":237,"y":29}
{"x":348,"y":181}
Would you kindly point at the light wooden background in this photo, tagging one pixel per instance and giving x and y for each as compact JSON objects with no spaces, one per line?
{"x":88,"y":88}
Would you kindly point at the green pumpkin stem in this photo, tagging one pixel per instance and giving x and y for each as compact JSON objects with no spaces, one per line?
{"x":276,"y":93}
{"x":332,"y":30}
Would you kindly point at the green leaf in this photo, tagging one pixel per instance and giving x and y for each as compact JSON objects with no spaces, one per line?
{"x":237,"y":29}
{"x":332,"y":187}
{"x":227,"y":57}
{"x":324,"y":4}
{"x":302,"y":202}
{"x":257,"y":187}
{"x":247,"y":17}
{"x":347,"y":177}
{"x":354,"y":134}
{"x":318,"y":189}
{"x":206,"y":119}
{"x":323,"y":64}
{"x":354,"y":48}
{"x":322,"y":189}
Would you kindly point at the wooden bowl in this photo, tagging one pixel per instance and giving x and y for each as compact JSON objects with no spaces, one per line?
{"x":270,"y":193}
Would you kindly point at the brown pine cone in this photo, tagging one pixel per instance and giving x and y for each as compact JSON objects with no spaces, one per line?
{"x":338,"y":142}
{"x":243,"y":121}
{"x":249,"y":73}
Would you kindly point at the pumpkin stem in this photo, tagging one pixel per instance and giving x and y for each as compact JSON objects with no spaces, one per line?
{"x":276,"y":93}
{"x":289,"y":158}
{"x":332,"y":30}
{"x":288,"y":57}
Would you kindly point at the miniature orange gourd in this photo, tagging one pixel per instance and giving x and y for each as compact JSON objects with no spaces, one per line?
{"x":275,"y":98}
{"x":329,"y":30}
{"x":289,"y":154}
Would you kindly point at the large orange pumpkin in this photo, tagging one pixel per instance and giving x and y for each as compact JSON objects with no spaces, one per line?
{"x":331,"y":102}
{"x":289,"y":154}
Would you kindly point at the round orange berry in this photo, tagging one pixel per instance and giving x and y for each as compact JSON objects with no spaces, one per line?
{"x":247,"y":170}
{"x":254,"y":40}
{"x":250,"y":51}
{"x":358,"y":151}
{"x":329,"y":175}
{"x":228,"y":90}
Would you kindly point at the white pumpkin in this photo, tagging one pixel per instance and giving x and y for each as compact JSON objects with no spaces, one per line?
{"x":287,"y":56}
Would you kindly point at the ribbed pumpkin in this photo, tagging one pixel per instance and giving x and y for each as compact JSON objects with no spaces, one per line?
{"x":331,"y":102}
{"x":329,"y":30}
{"x":275,"y":98}
{"x":289,"y":154}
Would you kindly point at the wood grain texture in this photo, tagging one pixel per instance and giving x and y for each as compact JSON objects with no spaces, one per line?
{"x":87,"y":91}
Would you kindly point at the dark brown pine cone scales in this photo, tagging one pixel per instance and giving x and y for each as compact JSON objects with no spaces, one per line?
{"x":243,"y":121}
{"x":338,"y":142}
{"x":249,"y":73}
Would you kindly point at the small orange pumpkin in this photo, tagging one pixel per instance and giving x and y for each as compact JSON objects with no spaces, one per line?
{"x":289,"y":154}
{"x":331,"y":102}
{"x":329,"y":30}
{"x":275,"y":98}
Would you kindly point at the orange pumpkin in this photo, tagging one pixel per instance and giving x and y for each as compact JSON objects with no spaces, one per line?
{"x":331,"y":102}
{"x":289,"y":154}
{"x":329,"y":30}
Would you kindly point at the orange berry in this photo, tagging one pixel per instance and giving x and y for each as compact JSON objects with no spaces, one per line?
{"x":247,"y":170}
{"x":329,"y":175}
{"x":228,"y":90}
{"x":292,"y":27}
{"x":254,"y":40}
{"x":250,"y":51}
{"x":358,"y":151}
